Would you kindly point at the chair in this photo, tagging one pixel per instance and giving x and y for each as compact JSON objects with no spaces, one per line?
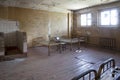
{"x":83,"y":39}
{"x":105,"y":69}
{"x":88,"y":75}
{"x":62,"y":45}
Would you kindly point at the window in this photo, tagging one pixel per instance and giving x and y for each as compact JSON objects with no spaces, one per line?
{"x":109,"y":17}
{"x":86,"y":19}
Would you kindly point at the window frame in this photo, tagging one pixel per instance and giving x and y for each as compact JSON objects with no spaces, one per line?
{"x":108,"y":26}
{"x":86,"y":19}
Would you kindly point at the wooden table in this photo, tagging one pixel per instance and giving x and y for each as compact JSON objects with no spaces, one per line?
{"x":71,"y":41}
{"x":49,"y":44}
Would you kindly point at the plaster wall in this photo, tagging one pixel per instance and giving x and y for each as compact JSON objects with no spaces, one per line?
{"x":96,"y":31}
{"x":36,"y":22}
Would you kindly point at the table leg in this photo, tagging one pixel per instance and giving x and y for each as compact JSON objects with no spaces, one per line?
{"x":59,"y":48}
{"x":78,"y":44}
{"x":71,"y":46}
{"x":79,"y":50}
{"x":48,"y":50}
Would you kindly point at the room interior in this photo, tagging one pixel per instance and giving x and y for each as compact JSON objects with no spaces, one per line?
{"x":87,"y":33}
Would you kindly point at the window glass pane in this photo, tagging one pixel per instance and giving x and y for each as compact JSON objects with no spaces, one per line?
{"x":105,"y":18}
{"x":88,"y":22}
{"x":83,"y":19}
{"x":89,"y":19}
{"x":109,"y":17}
{"x":86,"y":19}
{"x":89,"y":16}
{"x":114,"y":17}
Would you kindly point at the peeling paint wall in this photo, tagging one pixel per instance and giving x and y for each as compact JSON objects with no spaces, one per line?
{"x":95,"y":30}
{"x":36,"y":22}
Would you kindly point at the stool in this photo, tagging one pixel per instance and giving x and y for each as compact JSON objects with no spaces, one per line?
{"x":61,"y":46}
